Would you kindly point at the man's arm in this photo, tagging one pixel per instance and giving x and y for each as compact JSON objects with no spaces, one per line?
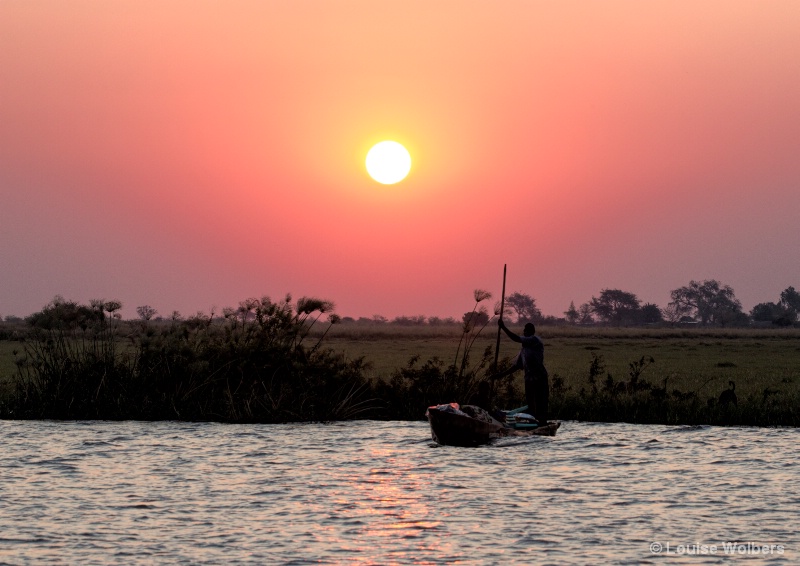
{"x":510,"y":334}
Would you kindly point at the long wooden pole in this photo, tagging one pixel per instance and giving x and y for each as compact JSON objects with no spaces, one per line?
{"x":502,"y":308}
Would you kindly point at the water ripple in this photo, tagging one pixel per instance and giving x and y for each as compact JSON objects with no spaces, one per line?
{"x":381,"y":492}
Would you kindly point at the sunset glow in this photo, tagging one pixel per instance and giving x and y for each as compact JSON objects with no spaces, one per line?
{"x":188,"y":156}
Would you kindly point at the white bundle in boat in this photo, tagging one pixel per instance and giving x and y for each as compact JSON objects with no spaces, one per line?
{"x":522,"y":418}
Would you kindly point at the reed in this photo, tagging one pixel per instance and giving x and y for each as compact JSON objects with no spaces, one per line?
{"x":418,"y":385}
{"x":637,"y":400}
{"x":256,"y":364}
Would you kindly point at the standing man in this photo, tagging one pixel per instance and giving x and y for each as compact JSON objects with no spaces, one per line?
{"x":531,"y":359}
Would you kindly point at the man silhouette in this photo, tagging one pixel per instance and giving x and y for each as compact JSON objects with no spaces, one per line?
{"x":531,"y":360}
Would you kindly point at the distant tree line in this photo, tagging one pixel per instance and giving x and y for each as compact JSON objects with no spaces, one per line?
{"x":704,"y":303}
{"x":783,"y":313}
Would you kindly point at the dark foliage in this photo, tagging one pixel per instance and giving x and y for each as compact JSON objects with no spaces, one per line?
{"x":711,"y":302}
{"x":418,"y":386}
{"x":524,"y":306}
{"x":616,"y":307}
{"x":636,"y":400}
{"x":257,"y":364}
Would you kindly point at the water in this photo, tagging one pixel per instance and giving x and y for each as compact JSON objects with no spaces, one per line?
{"x":381,"y":493}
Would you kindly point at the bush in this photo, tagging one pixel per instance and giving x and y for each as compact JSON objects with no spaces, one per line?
{"x":257,"y":364}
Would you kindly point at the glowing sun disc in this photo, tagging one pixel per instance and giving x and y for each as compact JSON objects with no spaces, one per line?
{"x":388,"y":162}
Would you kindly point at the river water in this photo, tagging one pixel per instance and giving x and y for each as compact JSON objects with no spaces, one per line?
{"x":382,"y":493}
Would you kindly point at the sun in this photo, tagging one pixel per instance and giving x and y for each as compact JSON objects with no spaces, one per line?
{"x":388,"y":162}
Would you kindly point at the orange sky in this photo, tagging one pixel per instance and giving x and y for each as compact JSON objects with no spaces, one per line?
{"x":192,"y":154}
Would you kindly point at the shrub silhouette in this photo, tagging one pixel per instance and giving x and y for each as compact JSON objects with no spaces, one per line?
{"x":252,"y":365}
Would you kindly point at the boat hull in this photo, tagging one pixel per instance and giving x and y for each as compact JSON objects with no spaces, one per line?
{"x":453,"y":429}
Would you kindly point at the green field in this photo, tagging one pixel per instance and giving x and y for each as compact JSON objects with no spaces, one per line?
{"x":7,"y":366}
{"x":699,"y":360}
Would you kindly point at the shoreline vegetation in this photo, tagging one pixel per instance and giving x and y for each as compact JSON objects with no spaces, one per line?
{"x":288,"y":361}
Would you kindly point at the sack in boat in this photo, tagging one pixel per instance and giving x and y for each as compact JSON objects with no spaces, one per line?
{"x":449,"y":408}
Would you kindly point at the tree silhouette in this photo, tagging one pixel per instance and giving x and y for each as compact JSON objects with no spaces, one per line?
{"x":572,"y":315}
{"x":710,"y":301}
{"x":146,"y":312}
{"x":585,"y":314}
{"x":650,"y":314}
{"x":616,"y":306}
{"x":790,"y":301}
{"x":524,"y":306}
{"x":767,"y":312}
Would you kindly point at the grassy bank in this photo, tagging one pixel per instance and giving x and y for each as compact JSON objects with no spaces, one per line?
{"x":691,"y":369}
{"x":592,"y":370}
{"x":702,"y":360}
{"x":257,"y":364}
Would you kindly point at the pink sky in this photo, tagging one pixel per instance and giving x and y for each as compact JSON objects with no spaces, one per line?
{"x":192,"y":154}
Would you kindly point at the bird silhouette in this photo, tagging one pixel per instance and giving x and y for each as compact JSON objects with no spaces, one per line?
{"x":728,"y":397}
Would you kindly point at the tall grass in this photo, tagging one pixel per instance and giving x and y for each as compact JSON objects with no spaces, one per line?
{"x":638,"y":400}
{"x":421,"y":384}
{"x":258,"y":363}
{"x":72,"y":366}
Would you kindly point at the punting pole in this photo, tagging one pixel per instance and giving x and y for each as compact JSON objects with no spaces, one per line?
{"x":502,"y":308}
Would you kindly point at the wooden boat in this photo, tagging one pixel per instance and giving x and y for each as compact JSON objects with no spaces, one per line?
{"x":469,"y":425}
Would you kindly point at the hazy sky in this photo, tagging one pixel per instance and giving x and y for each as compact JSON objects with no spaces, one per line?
{"x":192,"y":154}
